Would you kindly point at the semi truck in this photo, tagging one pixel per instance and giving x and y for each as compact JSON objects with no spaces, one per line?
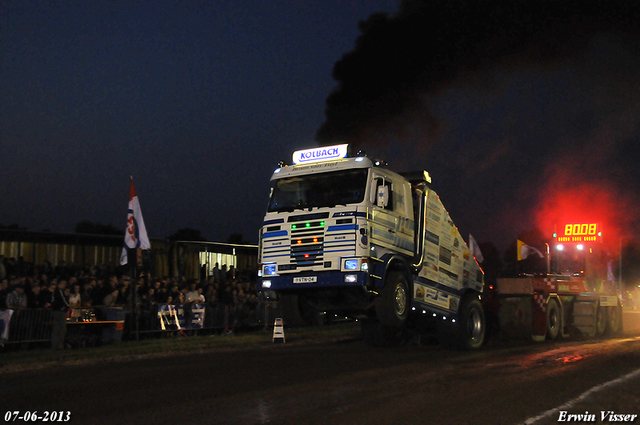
{"x":347,"y":235}
{"x":579,"y":298}
{"x":551,"y":306}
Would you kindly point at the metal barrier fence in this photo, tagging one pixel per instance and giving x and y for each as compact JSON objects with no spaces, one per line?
{"x":32,"y":325}
{"x":35,"y":325}
{"x":216,"y":318}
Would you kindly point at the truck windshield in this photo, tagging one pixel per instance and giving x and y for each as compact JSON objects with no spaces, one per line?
{"x":319,"y":190}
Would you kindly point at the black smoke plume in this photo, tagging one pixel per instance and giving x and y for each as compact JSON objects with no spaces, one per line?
{"x":431,"y":45}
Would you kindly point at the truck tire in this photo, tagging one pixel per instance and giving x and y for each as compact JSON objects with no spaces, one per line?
{"x":393,"y":306}
{"x":471,"y":326}
{"x":614,"y":324}
{"x":554,"y":321}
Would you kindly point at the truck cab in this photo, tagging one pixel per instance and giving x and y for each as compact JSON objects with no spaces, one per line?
{"x":345,"y":234}
{"x":325,"y":221}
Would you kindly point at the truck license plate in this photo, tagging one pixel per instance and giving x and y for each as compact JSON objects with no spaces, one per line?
{"x":308,"y":279}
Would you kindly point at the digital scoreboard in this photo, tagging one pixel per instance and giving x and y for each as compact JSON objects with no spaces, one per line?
{"x":578,"y":233}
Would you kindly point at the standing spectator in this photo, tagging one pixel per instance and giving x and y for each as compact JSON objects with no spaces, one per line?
{"x":192,"y":294}
{"x":149,"y":299}
{"x":44,"y":280}
{"x":162,"y":295}
{"x":217,"y":273}
{"x":85,"y":297}
{"x":122,"y":298}
{"x":33,"y":297}
{"x":201,"y":297}
{"x":149,"y":308}
{"x":111,"y":298}
{"x":191,"y":297}
{"x":17,"y":300}
{"x":174,"y":295}
{"x":10,"y":267}
{"x":97,"y":292}
{"x":46,"y":294}
{"x":59,"y":307}
{"x":231,"y":274}
{"x":75,"y":299}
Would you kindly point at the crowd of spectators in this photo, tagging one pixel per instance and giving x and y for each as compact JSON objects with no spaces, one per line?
{"x":28,"y":286}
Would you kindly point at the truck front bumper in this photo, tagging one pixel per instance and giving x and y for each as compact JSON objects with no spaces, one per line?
{"x":310,"y":280}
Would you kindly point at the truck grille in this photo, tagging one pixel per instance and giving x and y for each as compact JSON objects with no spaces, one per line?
{"x":307,"y":244}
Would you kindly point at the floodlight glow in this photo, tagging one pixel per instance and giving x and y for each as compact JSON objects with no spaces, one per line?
{"x":560,"y":247}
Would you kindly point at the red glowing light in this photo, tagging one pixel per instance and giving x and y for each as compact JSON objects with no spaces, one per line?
{"x":568,"y":198}
{"x":579,"y":232}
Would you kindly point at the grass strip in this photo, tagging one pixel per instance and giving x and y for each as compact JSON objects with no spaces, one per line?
{"x":168,"y":345}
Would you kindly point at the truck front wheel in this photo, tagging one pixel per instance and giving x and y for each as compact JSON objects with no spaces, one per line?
{"x":392,"y":308}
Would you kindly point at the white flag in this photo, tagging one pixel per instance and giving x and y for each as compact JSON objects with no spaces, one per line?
{"x":136,"y":234}
{"x":525,"y":251}
{"x":475,"y":249}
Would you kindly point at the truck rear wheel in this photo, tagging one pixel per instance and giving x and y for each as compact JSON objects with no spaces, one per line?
{"x":553,"y":319}
{"x":392,"y":308}
{"x":471,"y":327}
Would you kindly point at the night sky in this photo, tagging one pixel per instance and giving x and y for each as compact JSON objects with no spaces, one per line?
{"x":523,"y":117}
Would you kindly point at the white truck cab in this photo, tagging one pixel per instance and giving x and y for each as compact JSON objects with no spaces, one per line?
{"x":348,"y":235}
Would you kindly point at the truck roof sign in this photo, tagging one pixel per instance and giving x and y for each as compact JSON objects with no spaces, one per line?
{"x":324,"y":153}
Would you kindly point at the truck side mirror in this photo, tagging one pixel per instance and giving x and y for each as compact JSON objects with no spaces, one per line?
{"x":383,"y":196}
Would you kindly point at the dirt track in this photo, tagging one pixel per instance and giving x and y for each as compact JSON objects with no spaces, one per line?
{"x":333,"y":383}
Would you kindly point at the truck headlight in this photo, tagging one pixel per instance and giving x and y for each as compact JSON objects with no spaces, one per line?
{"x":270,"y":270}
{"x":350,"y":278}
{"x":351,"y":264}
{"x":266,"y":284}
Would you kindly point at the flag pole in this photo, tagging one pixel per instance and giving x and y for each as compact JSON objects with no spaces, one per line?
{"x":135,"y":241}
{"x":132,"y":258}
